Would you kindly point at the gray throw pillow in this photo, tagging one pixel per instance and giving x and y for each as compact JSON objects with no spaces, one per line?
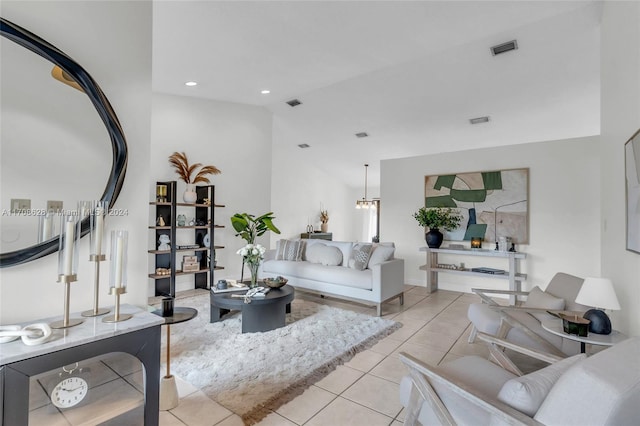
{"x":289,"y":250}
{"x":360,"y":256}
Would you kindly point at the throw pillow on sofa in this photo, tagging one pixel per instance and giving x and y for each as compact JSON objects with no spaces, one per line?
{"x":289,"y":250}
{"x":360,"y":256}
{"x":542,"y":300}
{"x":380,"y":254}
{"x":324,"y":254}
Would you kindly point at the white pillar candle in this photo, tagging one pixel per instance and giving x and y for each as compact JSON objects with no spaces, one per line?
{"x":69,"y":237}
{"x":47,"y":226}
{"x":97,"y":248}
{"x":119,"y":260}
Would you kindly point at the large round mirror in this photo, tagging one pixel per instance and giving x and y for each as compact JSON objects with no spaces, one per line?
{"x":54,"y":147}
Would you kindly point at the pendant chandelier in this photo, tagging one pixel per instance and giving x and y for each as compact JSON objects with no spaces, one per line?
{"x":364,"y":203}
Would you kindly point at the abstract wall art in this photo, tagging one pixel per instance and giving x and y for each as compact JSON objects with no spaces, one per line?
{"x":632,"y":178}
{"x":494,"y":204}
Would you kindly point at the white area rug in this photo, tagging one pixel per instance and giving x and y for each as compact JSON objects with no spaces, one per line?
{"x":253,"y":373}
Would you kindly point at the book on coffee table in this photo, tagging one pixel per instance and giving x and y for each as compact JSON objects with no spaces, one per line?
{"x":229,"y":289}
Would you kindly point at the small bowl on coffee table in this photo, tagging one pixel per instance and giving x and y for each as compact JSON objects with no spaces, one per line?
{"x":276,"y":282}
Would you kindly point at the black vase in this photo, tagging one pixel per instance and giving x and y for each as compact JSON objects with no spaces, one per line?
{"x":434,"y":238}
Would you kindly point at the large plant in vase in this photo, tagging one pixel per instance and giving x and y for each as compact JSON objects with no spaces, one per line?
{"x":249,"y":227}
{"x":436,"y":219}
{"x":185,"y":170}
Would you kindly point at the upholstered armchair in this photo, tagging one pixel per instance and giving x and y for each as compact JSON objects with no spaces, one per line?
{"x":603,"y":389}
{"x":521,"y":324}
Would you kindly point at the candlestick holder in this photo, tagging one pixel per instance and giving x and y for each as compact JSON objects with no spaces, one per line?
{"x":67,"y":264}
{"x":97,"y":215}
{"x":118,"y":275}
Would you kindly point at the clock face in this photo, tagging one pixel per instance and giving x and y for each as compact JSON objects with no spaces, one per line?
{"x":69,"y":392}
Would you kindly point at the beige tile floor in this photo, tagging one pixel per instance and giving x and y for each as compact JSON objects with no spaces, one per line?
{"x":363,"y":391}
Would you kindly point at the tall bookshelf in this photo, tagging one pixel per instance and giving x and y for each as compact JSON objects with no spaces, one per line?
{"x":204,"y":215}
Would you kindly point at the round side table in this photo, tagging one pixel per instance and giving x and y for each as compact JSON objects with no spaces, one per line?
{"x":168,"y":389}
{"x":554,"y":326}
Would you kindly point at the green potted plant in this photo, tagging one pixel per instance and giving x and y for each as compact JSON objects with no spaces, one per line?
{"x":248,"y":227}
{"x":435,"y":219}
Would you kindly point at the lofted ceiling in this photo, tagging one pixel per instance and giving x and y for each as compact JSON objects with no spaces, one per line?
{"x":410,"y":74}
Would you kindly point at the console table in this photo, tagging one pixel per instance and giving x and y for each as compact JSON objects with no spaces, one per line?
{"x":513,"y":276}
{"x":139,"y":336}
{"x":317,"y":236}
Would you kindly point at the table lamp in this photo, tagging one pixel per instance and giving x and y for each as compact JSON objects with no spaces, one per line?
{"x":598,"y":292}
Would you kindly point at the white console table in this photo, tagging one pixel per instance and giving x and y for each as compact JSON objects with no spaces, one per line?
{"x":512,"y":275}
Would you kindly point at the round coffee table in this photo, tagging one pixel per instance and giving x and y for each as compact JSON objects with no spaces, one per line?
{"x":259,"y":315}
{"x":554,"y":326}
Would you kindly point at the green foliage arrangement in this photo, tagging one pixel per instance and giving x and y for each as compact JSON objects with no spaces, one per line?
{"x":248,"y":227}
{"x":438,"y":218}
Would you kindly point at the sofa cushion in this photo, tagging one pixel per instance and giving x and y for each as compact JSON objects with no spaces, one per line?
{"x":344,"y":246}
{"x":360,"y":256}
{"x":604,"y":389}
{"x":289,"y":250}
{"x":380,"y":254}
{"x":527,"y":393}
{"x":324,"y":255}
{"x":541,"y":300}
{"x":338,"y":275}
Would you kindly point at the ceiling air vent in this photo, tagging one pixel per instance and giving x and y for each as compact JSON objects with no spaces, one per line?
{"x":362,"y":134}
{"x":304,"y":145}
{"x":479,"y":120}
{"x":504,"y":47}
{"x":294,"y":102}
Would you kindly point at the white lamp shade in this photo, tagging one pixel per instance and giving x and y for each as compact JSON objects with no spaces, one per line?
{"x":598,"y":293}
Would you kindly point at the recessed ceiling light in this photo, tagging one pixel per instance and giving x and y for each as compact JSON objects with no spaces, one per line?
{"x":191,"y":83}
{"x":265,"y":91}
{"x":362,"y":134}
{"x":304,"y":145}
{"x":479,"y":120}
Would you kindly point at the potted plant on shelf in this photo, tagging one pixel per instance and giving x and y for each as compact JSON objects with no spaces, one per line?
{"x":435,"y":219}
{"x":324,"y":219}
{"x":248,"y":227}
{"x":180,"y":162}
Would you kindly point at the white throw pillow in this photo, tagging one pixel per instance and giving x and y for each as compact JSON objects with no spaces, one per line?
{"x":324,"y":254}
{"x":527,"y":393}
{"x":289,"y":250}
{"x":360,"y":256}
{"x":380,"y":254}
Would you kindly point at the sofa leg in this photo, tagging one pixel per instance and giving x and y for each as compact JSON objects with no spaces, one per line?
{"x":402,"y":298}
{"x":379,"y":309}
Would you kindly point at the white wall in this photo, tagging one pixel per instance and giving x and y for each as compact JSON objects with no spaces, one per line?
{"x":564,"y":194}
{"x":112,"y":41}
{"x":235,"y":138}
{"x":299,"y":187}
{"x":620,"y":117}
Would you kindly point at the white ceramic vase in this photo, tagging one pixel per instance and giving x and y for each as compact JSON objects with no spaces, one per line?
{"x":190,"y":195}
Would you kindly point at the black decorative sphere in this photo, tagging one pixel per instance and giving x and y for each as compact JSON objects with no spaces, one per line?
{"x":434,"y":238}
{"x":600,"y":323}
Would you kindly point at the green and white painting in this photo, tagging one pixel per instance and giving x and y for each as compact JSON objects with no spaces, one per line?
{"x":494,"y":203}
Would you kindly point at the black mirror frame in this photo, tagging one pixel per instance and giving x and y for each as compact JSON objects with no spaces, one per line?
{"x":108,"y":116}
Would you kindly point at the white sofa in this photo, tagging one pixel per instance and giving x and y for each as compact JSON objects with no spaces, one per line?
{"x":377,"y":283}
{"x":603,"y":389}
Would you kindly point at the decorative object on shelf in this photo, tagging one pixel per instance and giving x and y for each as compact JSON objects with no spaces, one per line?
{"x":598,"y":292}
{"x":324,"y":218}
{"x":206,"y":202}
{"x":68,"y":263}
{"x":573,"y":324}
{"x":161,"y":193}
{"x":192,"y":222}
{"x":276,"y":282}
{"x":180,"y":162}
{"x":632,"y":181}
{"x":504,"y":243}
{"x":118,"y":275}
{"x":190,"y":264}
{"x":497,"y":202}
{"x":160,"y":221}
{"x":252,"y":255}
{"x":98,"y":213}
{"x":206,"y":240}
{"x":31,"y":335}
{"x":476,"y":242}
{"x":513,"y":248}
{"x":71,"y":388}
{"x":365,"y":203}
{"x":248,"y":227}
{"x":163,"y":271}
{"x":436,"y":219}
{"x":164,"y":242}
{"x":182,"y":220}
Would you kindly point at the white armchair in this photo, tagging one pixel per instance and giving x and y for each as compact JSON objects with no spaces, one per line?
{"x":603,"y":389}
{"x":522,"y":324}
